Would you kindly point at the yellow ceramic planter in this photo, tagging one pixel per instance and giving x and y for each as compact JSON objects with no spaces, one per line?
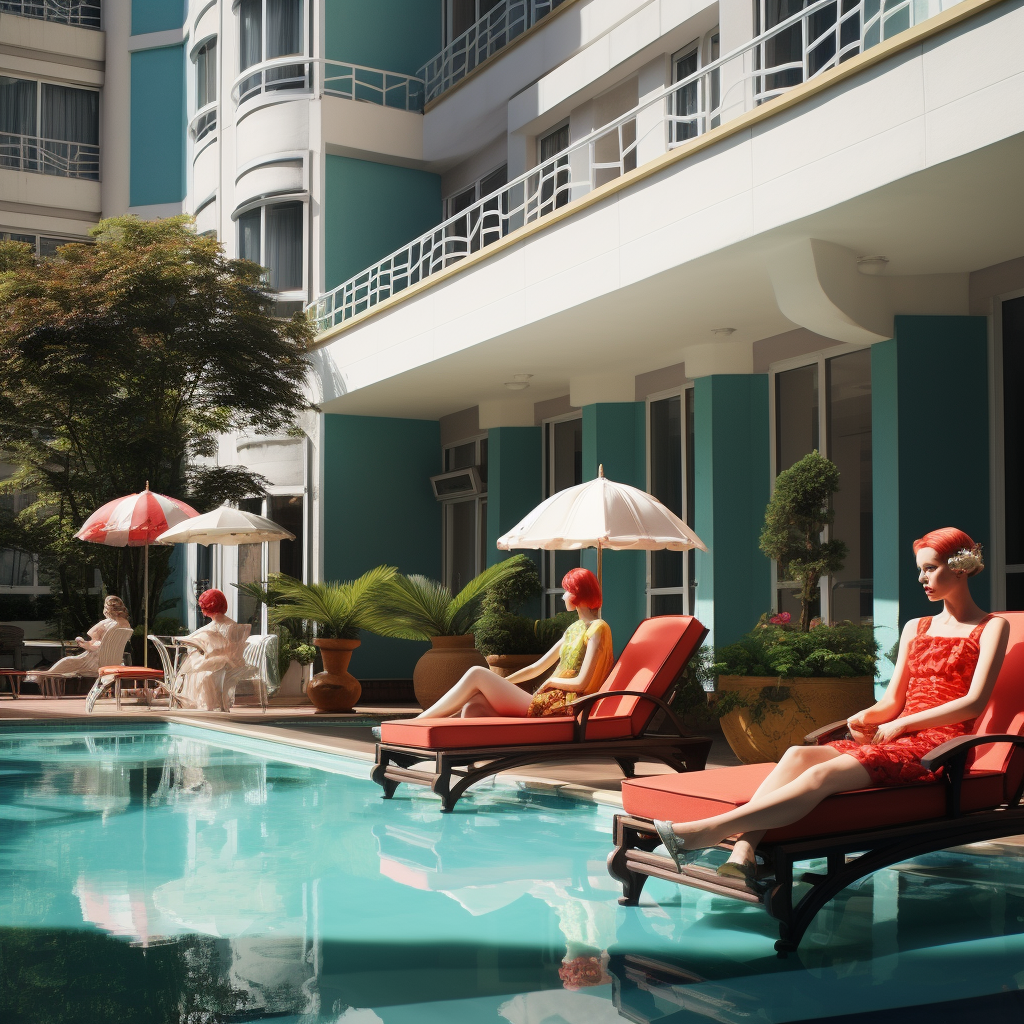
{"x":795,"y":708}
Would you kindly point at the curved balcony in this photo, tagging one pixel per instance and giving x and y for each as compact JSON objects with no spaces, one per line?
{"x":281,"y":74}
{"x":204,"y":121}
{"x":371,"y":85}
{"x":821,"y":36}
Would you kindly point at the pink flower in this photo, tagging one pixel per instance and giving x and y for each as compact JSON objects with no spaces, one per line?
{"x":781,"y":619}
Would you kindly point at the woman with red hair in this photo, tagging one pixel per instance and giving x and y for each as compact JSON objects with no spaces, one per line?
{"x":214,"y":666}
{"x":584,"y":658}
{"x":944,"y":674}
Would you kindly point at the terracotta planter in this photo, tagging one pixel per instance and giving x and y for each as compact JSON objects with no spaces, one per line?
{"x":505,"y":664}
{"x":803,"y":705}
{"x":443,"y":666}
{"x":335,"y":689}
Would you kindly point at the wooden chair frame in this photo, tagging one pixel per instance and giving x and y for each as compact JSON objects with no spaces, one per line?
{"x":848,"y":855}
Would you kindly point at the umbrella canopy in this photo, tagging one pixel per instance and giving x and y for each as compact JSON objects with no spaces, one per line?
{"x":225,"y":525}
{"x":134,"y":520}
{"x":601,"y":514}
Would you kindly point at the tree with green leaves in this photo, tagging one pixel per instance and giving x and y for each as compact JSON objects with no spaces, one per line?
{"x":798,"y":513}
{"x":122,"y":362}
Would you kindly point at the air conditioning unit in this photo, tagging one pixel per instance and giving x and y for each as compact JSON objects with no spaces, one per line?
{"x":459,"y":483}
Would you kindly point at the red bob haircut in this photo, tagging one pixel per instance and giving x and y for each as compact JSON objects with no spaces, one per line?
{"x":944,"y":542}
{"x":212,"y":602}
{"x":583,"y":586}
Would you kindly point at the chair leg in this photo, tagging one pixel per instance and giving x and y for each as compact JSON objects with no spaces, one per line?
{"x":117,"y":692}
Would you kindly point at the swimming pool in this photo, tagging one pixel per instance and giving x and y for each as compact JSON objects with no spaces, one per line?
{"x":165,"y":873}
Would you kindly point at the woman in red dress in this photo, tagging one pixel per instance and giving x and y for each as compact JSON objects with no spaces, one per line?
{"x":944,"y":674}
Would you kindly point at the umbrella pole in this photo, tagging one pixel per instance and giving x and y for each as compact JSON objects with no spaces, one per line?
{"x":145,"y":609}
{"x":599,"y":553}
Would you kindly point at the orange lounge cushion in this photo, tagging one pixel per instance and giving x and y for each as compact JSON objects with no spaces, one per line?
{"x":131,"y":672}
{"x":445,"y":733}
{"x":694,"y":795}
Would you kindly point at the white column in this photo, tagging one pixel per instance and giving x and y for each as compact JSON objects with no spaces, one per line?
{"x":115,"y":140}
{"x":651,"y":127}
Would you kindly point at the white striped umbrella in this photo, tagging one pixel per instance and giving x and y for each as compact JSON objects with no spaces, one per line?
{"x":136,"y":520}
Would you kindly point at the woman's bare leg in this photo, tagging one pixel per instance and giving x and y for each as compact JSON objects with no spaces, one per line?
{"x":789,"y":803}
{"x":478,"y":707}
{"x":504,"y":697}
{"x":795,"y":761}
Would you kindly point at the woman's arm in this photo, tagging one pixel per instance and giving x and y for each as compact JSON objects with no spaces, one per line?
{"x":540,"y":666}
{"x":581,"y":682}
{"x":992,"y":648}
{"x":862,"y":725}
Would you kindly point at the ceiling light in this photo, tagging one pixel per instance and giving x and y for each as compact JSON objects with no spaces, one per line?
{"x":521,"y":376}
{"x":723,"y":330}
{"x":873,"y":265}
{"x":516,"y":385}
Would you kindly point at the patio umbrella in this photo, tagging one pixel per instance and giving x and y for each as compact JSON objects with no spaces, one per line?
{"x":225,"y":525}
{"x":601,"y":514}
{"x":135,"y":521}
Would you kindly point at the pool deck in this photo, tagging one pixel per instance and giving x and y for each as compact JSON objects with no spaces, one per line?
{"x":298,"y":724}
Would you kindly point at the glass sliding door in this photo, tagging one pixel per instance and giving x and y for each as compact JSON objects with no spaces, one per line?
{"x":464,"y":520}
{"x":1013,"y":452}
{"x":563,"y":456}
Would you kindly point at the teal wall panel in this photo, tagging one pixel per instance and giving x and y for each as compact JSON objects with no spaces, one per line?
{"x":918,"y":486}
{"x":393,"y":35}
{"x":514,"y":481}
{"x":614,"y":435}
{"x":379,"y":509}
{"x":372,"y":209}
{"x":731,"y":471}
{"x":175,"y":594}
{"x":158,"y":126}
{"x":157,"y":15}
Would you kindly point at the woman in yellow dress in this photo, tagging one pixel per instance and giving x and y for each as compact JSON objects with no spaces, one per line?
{"x":584,"y":658}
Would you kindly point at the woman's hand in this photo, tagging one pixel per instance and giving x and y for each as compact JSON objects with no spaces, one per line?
{"x":889,"y":731}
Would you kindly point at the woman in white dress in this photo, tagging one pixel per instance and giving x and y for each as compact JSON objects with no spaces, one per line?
{"x":215,"y":666}
{"x":88,"y":662}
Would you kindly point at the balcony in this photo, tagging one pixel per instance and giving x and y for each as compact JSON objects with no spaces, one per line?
{"x":371,"y":85}
{"x":797,"y":50}
{"x":68,"y":12}
{"x":504,"y":22}
{"x":50,"y":156}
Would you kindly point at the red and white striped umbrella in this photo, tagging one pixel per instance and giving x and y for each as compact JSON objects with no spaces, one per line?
{"x":135,"y":519}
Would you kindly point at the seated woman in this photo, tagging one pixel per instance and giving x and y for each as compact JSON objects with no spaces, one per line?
{"x":211,"y":671}
{"x":944,"y":674}
{"x":88,"y":662}
{"x":584,"y":656}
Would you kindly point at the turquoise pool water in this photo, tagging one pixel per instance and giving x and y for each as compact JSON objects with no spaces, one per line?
{"x":167,"y":874}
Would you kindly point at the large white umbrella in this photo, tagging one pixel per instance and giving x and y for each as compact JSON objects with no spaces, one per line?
{"x":225,"y":525}
{"x":601,"y":514}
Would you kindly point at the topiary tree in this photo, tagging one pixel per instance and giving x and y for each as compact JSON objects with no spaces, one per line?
{"x":799,"y":511}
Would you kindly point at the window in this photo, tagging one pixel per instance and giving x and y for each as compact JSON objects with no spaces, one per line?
{"x":273,"y":235}
{"x":461,"y":15}
{"x":671,"y":575}
{"x":563,"y":467}
{"x":826,"y":405}
{"x":206,"y":88}
{"x":464,"y":520}
{"x":267,"y":30}
{"x":693,"y":103}
{"x":49,"y":128}
{"x":1012,"y":351}
{"x":494,"y":220}
{"x":44,"y":245}
{"x":554,"y":187}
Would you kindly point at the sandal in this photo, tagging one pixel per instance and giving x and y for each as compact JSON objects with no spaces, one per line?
{"x":679,"y":854}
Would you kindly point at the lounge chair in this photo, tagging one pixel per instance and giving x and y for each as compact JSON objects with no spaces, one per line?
{"x":610,"y":723}
{"x":854,"y":833}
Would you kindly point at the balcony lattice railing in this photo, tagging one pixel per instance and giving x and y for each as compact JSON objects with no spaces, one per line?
{"x":294,"y":72}
{"x":50,"y":156}
{"x":385,"y":88}
{"x":495,"y":30}
{"x":799,"y":49}
{"x":69,"y":12}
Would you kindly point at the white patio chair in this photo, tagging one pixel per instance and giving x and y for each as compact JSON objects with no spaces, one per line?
{"x":261,"y":655}
{"x":170,"y":664}
{"x":111,"y":652}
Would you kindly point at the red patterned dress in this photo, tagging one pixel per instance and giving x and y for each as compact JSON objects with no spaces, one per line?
{"x":941,"y":669}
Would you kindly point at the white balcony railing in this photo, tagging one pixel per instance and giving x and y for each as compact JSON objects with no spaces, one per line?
{"x":83,"y":13}
{"x":386,"y":88}
{"x":796,"y":50}
{"x":50,"y":156}
{"x":204,"y":121}
{"x":294,"y":72}
{"x":496,"y":29}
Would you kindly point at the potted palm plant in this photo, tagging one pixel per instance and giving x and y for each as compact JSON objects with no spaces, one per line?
{"x":784,"y":679}
{"x":338,"y":611}
{"x":417,"y":608}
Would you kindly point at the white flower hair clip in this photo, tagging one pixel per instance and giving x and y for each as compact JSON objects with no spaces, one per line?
{"x":966,"y":560}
